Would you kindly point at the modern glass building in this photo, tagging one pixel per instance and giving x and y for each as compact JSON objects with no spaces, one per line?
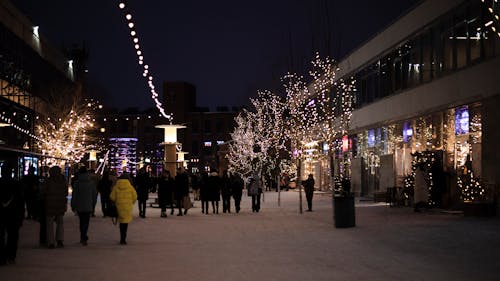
{"x":428,"y":93}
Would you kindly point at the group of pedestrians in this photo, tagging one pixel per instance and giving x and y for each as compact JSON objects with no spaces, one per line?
{"x":213,"y":188}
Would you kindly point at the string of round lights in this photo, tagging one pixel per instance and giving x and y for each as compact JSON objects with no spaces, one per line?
{"x":20,"y":129}
{"x":140,"y":56}
{"x":494,"y":14}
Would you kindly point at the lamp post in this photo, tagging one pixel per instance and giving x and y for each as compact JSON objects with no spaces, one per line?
{"x":170,"y":144}
{"x":92,"y":157}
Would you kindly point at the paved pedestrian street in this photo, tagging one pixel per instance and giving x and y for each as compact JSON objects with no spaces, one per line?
{"x":278,"y":243}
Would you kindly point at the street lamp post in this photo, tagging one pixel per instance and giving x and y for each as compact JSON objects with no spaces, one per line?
{"x":170,"y":143}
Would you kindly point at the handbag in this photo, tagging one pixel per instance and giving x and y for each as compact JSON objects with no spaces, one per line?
{"x":186,"y":202}
{"x":113,"y":212}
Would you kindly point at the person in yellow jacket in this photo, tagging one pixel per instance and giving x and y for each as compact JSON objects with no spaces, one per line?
{"x":124,"y":196}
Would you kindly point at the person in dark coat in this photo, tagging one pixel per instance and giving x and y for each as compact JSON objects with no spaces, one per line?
{"x":166,"y":187}
{"x":31,"y":189}
{"x":40,"y":207}
{"x":11,"y":214}
{"x":226,"y":193}
{"x":104,"y":189}
{"x":181,"y":189}
{"x":214,"y":187}
{"x":237,"y":185}
{"x":309,"y":190}
{"x":142,"y":185}
{"x":195,"y":185}
{"x":55,"y":194}
{"x":204,"y":192}
{"x":83,"y":201}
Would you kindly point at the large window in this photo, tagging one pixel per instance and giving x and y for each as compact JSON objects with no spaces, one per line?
{"x":456,"y":40}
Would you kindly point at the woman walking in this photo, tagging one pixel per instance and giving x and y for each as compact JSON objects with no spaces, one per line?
{"x":104,"y":188}
{"x":166,"y":187}
{"x":55,"y":197}
{"x":124,"y":196}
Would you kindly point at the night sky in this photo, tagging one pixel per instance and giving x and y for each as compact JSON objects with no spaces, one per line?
{"x":228,"y":49}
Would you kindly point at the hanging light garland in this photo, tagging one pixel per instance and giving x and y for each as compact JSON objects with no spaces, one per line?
{"x":494,"y":14}
{"x":146,"y":71}
{"x":19,"y":128}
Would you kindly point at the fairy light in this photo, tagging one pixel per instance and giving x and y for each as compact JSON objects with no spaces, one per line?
{"x":492,"y":9}
{"x":146,"y":74}
{"x":316,"y":111}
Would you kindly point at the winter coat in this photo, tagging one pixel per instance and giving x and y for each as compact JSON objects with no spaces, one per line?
{"x":252,"y":188}
{"x":84,"y":195}
{"x":11,"y":202}
{"x":124,"y":196}
{"x":181,"y":186}
{"x":236,"y":187}
{"x":308,"y":186}
{"x":225,"y":190}
{"x":143,"y":184}
{"x":55,"y":192}
{"x":214,"y":186}
{"x":165,"y":190}
{"x":204,"y":188}
{"x":104,"y":187}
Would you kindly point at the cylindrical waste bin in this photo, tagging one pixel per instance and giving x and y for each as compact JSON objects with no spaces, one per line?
{"x":343,"y":207}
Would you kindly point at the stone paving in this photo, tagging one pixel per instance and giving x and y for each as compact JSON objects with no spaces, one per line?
{"x":277,"y":243}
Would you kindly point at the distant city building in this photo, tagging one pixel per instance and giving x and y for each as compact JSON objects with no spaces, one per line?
{"x":206,"y":130}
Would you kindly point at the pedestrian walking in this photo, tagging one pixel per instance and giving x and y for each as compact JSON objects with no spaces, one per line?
{"x":309,"y":190}
{"x":40,"y":208}
{"x":95,"y":178}
{"x":31,"y":189}
{"x":124,"y":196}
{"x":254,"y":190}
{"x":166,"y":185}
{"x":142,"y":185}
{"x":195,"y":186}
{"x":204,"y":193}
{"x":83,"y":201}
{"x":214,"y":187}
{"x":226,"y":193}
{"x":181,"y":190}
{"x":104,"y":189}
{"x":11,"y":214}
{"x":55,"y":193}
{"x":237,"y":185}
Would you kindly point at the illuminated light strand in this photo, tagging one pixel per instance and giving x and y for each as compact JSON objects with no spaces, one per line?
{"x":495,"y":16}
{"x":309,"y":117}
{"x":19,"y":128}
{"x":146,"y":72}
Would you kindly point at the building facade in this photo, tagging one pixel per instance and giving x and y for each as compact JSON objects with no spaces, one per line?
{"x":427,"y":94}
{"x":30,"y":71}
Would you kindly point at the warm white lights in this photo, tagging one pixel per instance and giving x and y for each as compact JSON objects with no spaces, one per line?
{"x":146,"y":73}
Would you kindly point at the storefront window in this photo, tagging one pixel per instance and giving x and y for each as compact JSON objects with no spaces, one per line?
{"x":427,"y":57}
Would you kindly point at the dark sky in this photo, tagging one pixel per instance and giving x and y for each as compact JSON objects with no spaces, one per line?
{"x":228,"y":49}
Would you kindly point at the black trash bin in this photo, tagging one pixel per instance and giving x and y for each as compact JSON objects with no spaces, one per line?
{"x":343,"y":207}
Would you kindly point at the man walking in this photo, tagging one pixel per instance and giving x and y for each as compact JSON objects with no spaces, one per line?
{"x":83,"y":201}
{"x":309,"y":190}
